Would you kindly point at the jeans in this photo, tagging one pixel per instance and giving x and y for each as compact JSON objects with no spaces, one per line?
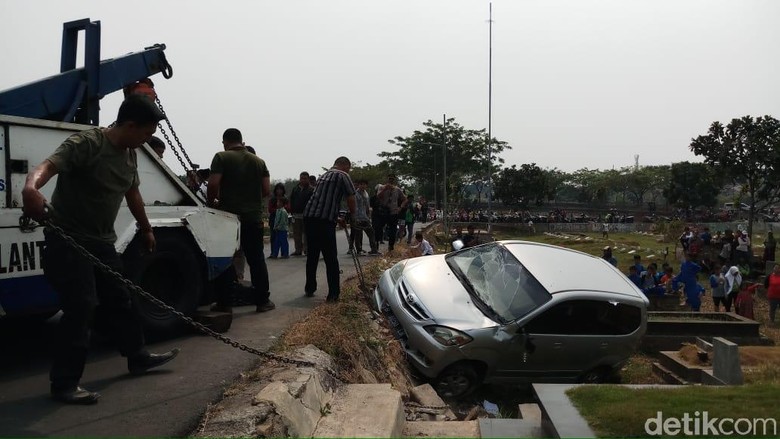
{"x":280,"y":243}
{"x":322,"y":239}
{"x":409,"y":232}
{"x":87,"y":296}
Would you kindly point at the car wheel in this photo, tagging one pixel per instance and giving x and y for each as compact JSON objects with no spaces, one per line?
{"x":172,"y":273}
{"x":457,"y":380}
{"x":598,"y":375}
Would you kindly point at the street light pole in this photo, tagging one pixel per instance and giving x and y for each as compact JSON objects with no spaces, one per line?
{"x":490,"y":122}
{"x":444,"y":146}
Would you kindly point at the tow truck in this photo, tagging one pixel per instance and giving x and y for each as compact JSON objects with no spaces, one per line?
{"x":195,"y":243}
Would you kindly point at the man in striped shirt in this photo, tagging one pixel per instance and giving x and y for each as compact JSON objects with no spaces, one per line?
{"x":319,"y":221}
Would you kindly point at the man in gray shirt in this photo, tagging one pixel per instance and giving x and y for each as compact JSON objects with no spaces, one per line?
{"x":361,"y":221}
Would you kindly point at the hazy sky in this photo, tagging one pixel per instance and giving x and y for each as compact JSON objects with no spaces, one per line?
{"x":575,"y":83}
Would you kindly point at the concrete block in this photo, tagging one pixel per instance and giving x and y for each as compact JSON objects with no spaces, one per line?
{"x":426,"y":395}
{"x":725,"y":361}
{"x":708,"y":379}
{"x":531,"y":413}
{"x":498,"y":428}
{"x":703,"y":345}
{"x":363,"y":410}
{"x":441,"y":429}
{"x":300,"y":402}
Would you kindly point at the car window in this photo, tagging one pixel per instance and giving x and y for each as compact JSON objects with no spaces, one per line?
{"x":499,"y":281}
{"x":587,"y":317}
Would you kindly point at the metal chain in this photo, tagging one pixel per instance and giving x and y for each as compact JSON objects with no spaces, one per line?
{"x":199,"y":326}
{"x":175,"y":136}
{"x":356,"y":260}
{"x":176,"y":149}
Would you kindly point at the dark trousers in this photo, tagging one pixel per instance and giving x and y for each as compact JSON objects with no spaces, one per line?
{"x":356,"y":236}
{"x":82,"y":287}
{"x":391,"y":222}
{"x":321,"y":235}
{"x":252,"y":245}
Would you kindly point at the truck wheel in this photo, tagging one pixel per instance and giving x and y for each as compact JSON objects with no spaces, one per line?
{"x":172,"y":273}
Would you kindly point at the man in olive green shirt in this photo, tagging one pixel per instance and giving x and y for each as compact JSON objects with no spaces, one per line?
{"x":237,"y":183}
{"x":96,"y":170}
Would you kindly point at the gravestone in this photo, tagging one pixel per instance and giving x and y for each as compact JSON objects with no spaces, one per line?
{"x":725,"y":361}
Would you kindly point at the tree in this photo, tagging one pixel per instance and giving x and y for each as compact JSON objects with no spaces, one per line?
{"x":466,"y":155}
{"x":592,"y":185}
{"x":693,"y":185}
{"x":521,"y":186}
{"x":746,"y":150}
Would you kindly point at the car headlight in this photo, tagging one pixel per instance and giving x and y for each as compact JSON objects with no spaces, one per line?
{"x":397,"y":270}
{"x":448,"y":336}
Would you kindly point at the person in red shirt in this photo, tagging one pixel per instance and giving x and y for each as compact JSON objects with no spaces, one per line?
{"x":744,"y":303}
{"x":772,"y":284}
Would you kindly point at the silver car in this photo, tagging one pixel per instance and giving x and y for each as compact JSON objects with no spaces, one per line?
{"x":512,"y":311}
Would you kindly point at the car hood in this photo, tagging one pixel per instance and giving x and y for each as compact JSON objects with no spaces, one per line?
{"x":441,"y":294}
{"x":559,"y":269}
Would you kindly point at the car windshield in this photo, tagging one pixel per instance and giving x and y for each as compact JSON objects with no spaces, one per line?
{"x":501,"y":286}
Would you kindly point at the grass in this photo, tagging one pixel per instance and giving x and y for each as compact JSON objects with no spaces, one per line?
{"x":614,"y":411}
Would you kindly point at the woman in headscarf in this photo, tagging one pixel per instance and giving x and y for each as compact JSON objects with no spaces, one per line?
{"x":732,"y":285}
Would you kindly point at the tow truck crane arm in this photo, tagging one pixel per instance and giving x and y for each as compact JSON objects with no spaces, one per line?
{"x":74,"y":94}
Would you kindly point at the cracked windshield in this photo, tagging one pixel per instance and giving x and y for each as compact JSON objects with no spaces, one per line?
{"x":505,"y":288}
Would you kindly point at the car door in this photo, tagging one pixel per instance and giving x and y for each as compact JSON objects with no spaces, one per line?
{"x":568,"y":339}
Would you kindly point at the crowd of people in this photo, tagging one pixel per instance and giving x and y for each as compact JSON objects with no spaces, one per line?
{"x":725,"y":258}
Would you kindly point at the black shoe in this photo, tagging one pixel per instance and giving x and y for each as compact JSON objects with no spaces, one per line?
{"x":139,"y":364}
{"x":308,"y":294}
{"x":332,"y":300}
{"x":267,"y":306}
{"x":75,"y":395}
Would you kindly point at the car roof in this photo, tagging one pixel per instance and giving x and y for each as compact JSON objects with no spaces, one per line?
{"x":561,"y":269}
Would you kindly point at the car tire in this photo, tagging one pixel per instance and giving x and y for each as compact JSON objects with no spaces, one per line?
{"x":172,"y":273}
{"x":457,"y":381}
{"x":598,"y":375}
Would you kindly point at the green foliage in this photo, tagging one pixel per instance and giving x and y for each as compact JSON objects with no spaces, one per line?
{"x":693,"y":185}
{"x":421,"y":156}
{"x":519,"y":186}
{"x":746,"y":150}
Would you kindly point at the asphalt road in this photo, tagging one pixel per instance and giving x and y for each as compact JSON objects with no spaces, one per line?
{"x":165,"y":402}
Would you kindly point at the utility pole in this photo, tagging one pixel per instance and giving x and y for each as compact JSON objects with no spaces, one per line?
{"x":490,"y":121}
{"x":444,"y":147}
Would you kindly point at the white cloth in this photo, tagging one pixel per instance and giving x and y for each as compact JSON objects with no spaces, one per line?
{"x":733,"y":276}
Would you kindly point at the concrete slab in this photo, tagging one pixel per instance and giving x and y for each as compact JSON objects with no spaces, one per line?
{"x":363,"y":410}
{"x":426,"y":395}
{"x":560,"y":419}
{"x":299,"y":402}
{"x":441,"y":429}
{"x":530,"y":412}
{"x":519,"y":428}
{"x":725,"y":361}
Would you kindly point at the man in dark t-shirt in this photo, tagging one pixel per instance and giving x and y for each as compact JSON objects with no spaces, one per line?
{"x":96,"y":169}
{"x":237,"y":183}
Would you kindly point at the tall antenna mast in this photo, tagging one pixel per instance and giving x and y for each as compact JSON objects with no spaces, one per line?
{"x":490,"y":120}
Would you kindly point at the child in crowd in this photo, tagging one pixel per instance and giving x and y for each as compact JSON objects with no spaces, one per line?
{"x":717,"y":286}
{"x":421,"y":246}
{"x":279,"y":233}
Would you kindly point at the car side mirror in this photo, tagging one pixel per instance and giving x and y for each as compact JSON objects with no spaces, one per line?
{"x":457,"y":244}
